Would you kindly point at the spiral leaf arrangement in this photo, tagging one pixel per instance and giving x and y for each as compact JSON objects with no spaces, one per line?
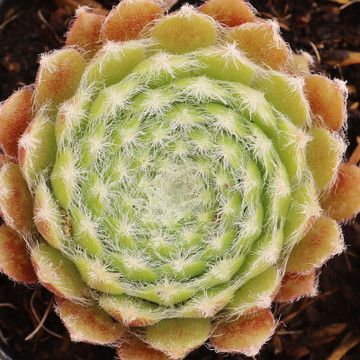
{"x":169,"y":176}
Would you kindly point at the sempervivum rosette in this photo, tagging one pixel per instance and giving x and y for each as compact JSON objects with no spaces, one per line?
{"x":171,"y":176}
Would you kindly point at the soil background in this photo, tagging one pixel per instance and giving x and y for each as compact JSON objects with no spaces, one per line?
{"x":324,"y":328}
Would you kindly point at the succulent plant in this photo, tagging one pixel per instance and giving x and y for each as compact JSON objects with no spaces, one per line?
{"x":169,"y":176}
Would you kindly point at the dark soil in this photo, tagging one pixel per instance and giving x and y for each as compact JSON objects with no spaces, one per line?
{"x":326,"y":327}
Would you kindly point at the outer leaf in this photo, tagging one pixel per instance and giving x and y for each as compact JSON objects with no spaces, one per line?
{"x":15,"y":115}
{"x":177,"y":337}
{"x":126,"y":20}
{"x":132,"y":348}
{"x":229,"y":12}
{"x":85,"y":31}
{"x":327,"y":101}
{"x":244,"y":335}
{"x":323,"y":154}
{"x":58,"y":77}
{"x":295,"y":286}
{"x":89,"y":323}
{"x":16,"y":205}
{"x":262,"y":43}
{"x":184,"y":31}
{"x":58,"y":274}
{"x":320,"y":243}
{"x":14,"y":256}
{"x":343,"y":202}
